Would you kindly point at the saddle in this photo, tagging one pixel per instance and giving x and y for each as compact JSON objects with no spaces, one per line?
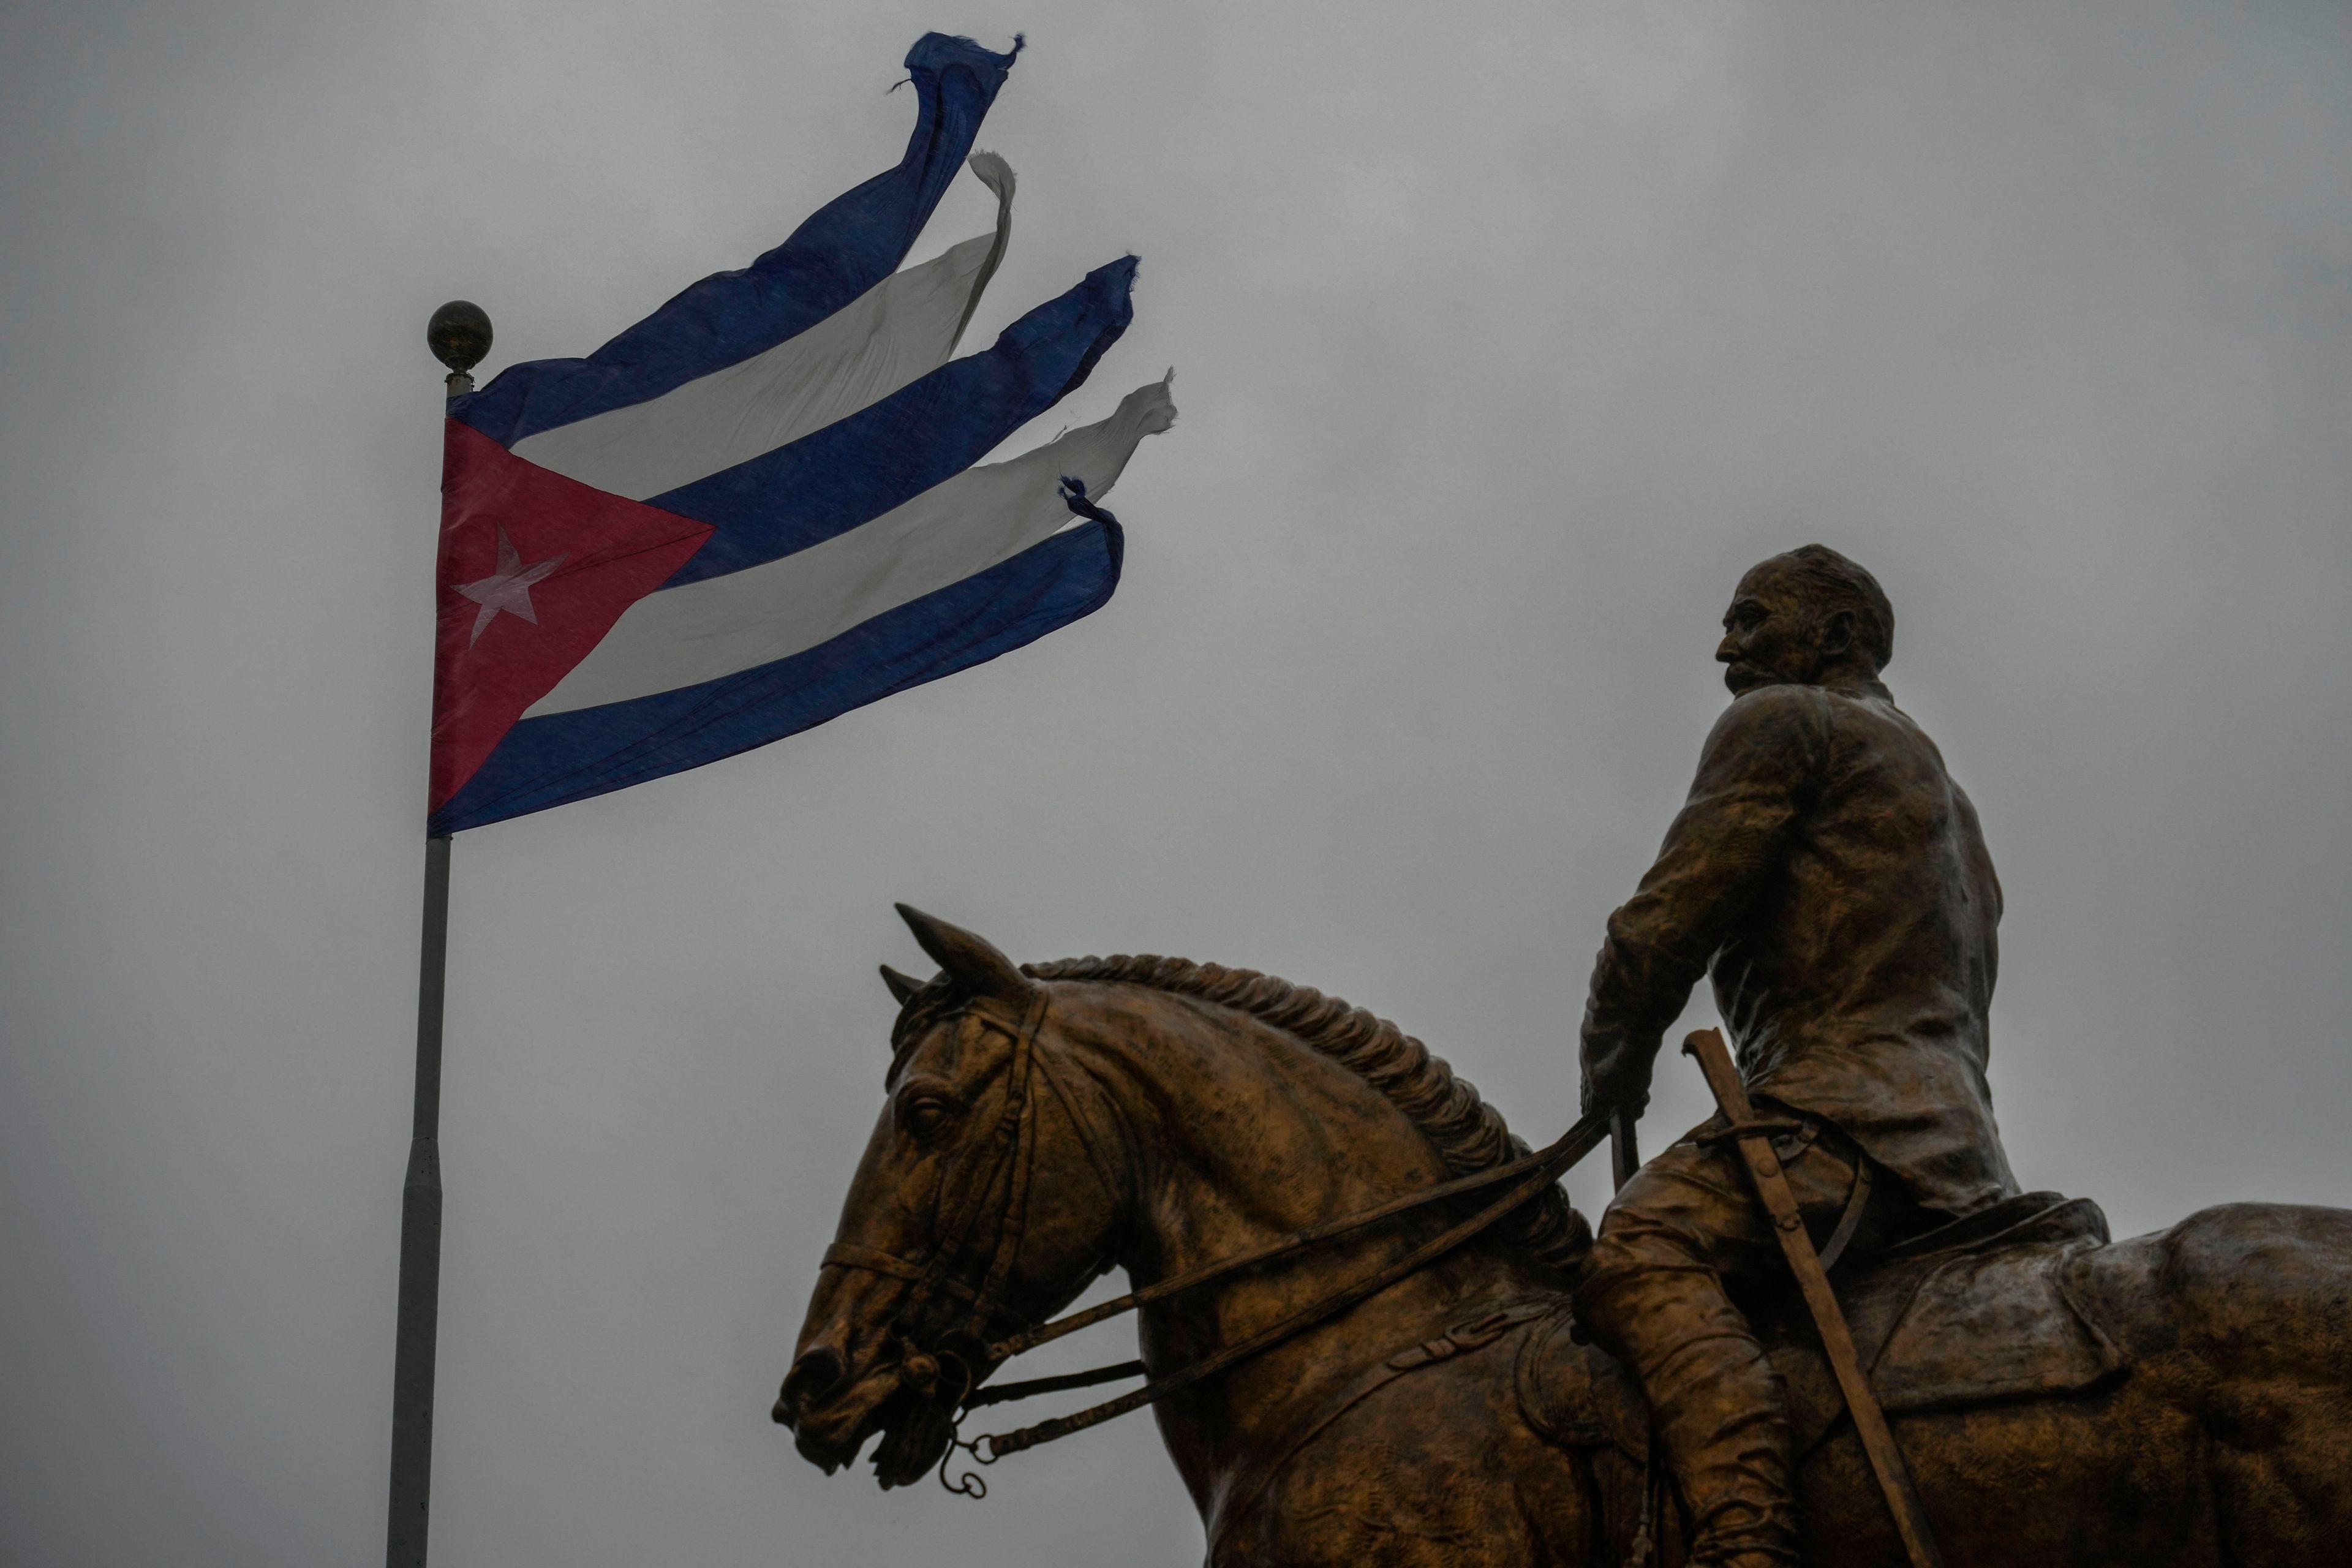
{"x":1984,"y":1310}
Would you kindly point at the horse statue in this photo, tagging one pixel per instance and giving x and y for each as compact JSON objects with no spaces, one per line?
{"x":1346,"y":1375}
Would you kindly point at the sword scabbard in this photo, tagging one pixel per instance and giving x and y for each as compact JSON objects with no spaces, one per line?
{"x":1788,"y":1219}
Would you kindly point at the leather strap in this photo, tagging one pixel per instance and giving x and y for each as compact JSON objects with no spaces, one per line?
{"x":1550,"y":1164}
{"x":1297,"y":1241}
{"x":1762,"y":1127}
{"x":1015,"y":1223}
{"x":1851,"y":1220}
{"x":1013,"y":1141}
{"x":1000,"y":1393}
{"x":1804,"y":1131}
{"x":846,"y":1255}
{"x":1012,"y":1154}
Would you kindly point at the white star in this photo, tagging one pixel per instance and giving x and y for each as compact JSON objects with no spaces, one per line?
{"x":508,"y":588}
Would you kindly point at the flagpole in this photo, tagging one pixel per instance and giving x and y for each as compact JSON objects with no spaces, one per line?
{"x":459,"y":335}
{"x":420,"y":1243}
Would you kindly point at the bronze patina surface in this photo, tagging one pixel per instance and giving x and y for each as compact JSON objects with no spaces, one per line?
{"x":1188,"y":1113}
{"x":1831,"y":877}
{"x":1344,"y":1375}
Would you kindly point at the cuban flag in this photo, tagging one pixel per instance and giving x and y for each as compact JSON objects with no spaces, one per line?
{"x":764,"y":505}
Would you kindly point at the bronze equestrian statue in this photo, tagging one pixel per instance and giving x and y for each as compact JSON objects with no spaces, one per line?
{"x":1367,"y":1315}
{"x":1831,"y":877}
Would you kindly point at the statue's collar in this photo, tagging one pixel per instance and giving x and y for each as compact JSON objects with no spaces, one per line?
{"x":1863,"y":686}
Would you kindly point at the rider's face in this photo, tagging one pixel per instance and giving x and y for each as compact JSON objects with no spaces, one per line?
{"x":1770,"y":635}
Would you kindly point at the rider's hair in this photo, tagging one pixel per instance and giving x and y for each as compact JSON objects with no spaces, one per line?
{"x":1829,"y":582}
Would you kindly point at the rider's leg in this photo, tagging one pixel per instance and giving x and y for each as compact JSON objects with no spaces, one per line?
{"x":1654,"y":1294}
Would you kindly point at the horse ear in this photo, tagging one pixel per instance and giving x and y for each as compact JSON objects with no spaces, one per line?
{"x":902,"y":986}
{"x":969,"y":958}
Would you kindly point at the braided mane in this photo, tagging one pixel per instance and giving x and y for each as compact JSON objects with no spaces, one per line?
{"x":1466,"y":1132}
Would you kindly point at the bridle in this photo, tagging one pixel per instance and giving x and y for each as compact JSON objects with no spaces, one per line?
{"x":1013,"y":1140}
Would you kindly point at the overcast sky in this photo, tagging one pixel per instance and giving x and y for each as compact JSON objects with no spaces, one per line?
{"x":1507,"y":336}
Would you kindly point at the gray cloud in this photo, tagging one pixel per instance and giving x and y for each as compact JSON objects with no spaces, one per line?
{"x":1504,"y":344}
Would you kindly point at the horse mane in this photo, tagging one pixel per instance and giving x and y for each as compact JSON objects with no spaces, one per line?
{"x":1465,"y":1131}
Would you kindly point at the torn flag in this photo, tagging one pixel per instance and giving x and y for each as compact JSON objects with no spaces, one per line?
{"x":764,"y":505}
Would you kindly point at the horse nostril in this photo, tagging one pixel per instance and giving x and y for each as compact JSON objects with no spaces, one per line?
{"x":813,"y":1376}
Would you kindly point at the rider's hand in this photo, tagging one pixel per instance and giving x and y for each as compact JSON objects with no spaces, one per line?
{"x":1616,"y":1075}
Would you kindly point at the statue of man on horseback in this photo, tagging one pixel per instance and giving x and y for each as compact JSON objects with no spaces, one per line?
{"x":1373,"y":1331}
{"x":1831,"y":877}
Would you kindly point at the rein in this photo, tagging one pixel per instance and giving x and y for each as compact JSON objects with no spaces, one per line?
{"x":1015,"y":1140}
{"x":1542,"y":1168}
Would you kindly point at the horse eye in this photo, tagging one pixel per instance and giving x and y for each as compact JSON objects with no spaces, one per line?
{"x":924,"y":1116}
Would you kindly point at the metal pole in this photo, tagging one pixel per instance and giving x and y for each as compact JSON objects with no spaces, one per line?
{"x":459,"y":335}
{"x":420,"y":1243}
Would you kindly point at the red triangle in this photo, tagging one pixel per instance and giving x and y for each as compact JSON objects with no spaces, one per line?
{"x":614,"y":552}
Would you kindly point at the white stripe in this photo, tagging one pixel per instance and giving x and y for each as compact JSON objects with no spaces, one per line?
{"x":903,"y":328}
{"x":703,"y":630}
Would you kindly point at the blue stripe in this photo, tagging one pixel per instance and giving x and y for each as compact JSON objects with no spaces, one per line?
{"x":856,"y":469}
{"x":850,"y":245}
{"x":565,"y":757}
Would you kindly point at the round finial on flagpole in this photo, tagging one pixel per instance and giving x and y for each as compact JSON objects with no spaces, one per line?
{"x":459,"y":335}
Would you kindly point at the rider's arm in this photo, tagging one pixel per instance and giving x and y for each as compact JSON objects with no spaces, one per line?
{"x":1757,"y":774}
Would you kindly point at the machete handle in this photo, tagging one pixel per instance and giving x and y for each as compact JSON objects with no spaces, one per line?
{"x":1714,"y":1059}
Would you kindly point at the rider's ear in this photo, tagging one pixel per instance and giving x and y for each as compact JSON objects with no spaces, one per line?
{"x":974,"y":963}
{"x":1837,"y":633}
{"x":902,"y":986}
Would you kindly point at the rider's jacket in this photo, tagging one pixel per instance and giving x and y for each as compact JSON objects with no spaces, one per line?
{"x":1832,"y":878}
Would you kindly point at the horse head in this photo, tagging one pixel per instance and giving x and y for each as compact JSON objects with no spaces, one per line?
{"x":984,"y":1201}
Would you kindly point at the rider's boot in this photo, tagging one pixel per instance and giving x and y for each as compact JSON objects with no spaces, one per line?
{"x":1718,"y":1405}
